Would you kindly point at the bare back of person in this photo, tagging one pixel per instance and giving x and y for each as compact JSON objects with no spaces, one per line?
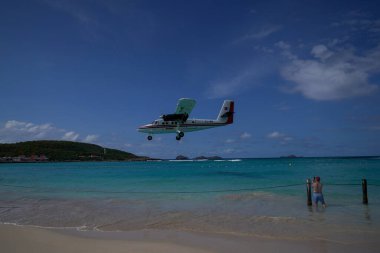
{"x":317,"y":192}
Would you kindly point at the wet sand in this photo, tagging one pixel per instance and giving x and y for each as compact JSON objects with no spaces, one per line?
{"x":19,"y":239}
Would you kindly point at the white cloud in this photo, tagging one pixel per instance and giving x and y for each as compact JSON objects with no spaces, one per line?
{"x":285,"y":48}
{"x":14,"y":131}
{"x":281,"y":137}
{"x":17,"y":131}
{"x":331,"y":75}
{"x":224,"y":88}
{"x":245,"y":135}
{"x":262,"y":33}
{"x":70,"y":136}
{"x":283,"y":45}
{"x":321,"y":52}
{"x":14,"y":125}
{"x":91,"y":138}
{"x":228,"y":151}
{"x":275,"y":135}
{"x":359,"y":23}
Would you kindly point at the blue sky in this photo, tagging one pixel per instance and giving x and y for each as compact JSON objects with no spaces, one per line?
{"x":304,"y":75}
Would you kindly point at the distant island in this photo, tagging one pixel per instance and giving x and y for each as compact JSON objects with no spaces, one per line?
{"x":291,"y":156}
{"x":182,"y":157}
{"x":60,"y":151}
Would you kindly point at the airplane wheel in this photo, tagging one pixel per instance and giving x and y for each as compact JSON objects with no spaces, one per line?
{"x":181,"y":134}
{"x":178,"y":138}
{"x":150,"y":137}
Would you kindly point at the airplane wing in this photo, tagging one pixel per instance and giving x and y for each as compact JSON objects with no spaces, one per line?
{"x":185,"y":105}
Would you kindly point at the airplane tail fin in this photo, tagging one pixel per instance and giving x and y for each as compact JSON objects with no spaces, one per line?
{"x":226,"y":114}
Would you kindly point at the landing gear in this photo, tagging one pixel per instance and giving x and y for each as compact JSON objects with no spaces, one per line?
{"x":149,"y":137}
{"x":179,"y":135}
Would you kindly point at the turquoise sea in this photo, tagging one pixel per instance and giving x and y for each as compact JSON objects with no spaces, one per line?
{"x":247,"y":197}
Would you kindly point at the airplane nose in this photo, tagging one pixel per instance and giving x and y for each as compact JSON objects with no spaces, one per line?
{"x":143,"y":128}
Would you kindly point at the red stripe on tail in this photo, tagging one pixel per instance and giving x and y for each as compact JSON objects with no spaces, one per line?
{"x":230,"y":119}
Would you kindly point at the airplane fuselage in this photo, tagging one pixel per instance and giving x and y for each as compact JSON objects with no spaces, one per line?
{"x":161,"y":126}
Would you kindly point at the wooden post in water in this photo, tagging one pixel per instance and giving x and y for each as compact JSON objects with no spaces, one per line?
{"x":308,"y":191}
{"x":364,"y":188}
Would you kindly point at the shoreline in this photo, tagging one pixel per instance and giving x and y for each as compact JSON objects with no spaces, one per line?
{"x":74,"y":161}
{"x":20,"y":239}
{"x":146,"y":159}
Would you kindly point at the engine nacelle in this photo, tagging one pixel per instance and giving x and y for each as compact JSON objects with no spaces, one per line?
{"x":182,"y":117}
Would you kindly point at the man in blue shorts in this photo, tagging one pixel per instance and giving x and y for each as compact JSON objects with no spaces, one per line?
{"x":317,"y":192}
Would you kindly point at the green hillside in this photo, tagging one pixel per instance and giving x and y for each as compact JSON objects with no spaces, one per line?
{"x":64,"y":151}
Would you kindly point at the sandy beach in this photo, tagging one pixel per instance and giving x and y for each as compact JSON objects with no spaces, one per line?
{"x":19,"y":239}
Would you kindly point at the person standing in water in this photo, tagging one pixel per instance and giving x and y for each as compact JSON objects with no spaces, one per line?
{"x":317,"y":192}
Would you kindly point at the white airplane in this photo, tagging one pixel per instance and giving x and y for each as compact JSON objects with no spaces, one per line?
{"x":179,"y":122}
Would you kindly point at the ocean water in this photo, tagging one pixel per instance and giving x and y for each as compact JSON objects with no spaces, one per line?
{"x":248,"y":197}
